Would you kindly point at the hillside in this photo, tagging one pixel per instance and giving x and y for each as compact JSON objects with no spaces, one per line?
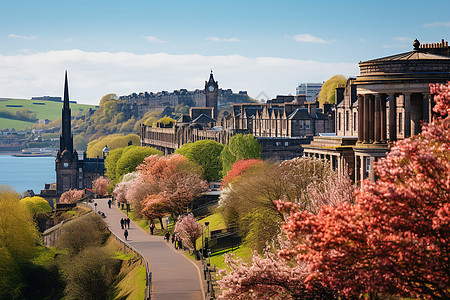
{"x":43,"y":109}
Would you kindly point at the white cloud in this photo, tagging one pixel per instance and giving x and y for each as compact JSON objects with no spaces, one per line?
{"x":94,"y":74}
{"x":23,"y":37}
{"x":153,"y":39}
{"x":307,"y":38}
{"x":436,"y":24}
{"x":217,"y":39}
{"x":403,"y":39}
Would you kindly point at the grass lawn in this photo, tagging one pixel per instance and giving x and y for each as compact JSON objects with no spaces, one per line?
{"x":16,"y":124}
{"x":44,"y":110}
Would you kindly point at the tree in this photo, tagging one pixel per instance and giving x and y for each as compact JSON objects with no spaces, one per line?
{"x":95,"y":147}
{"x":328,"y":92}
{"x":80,"y":143}
{"x":249,"y":202}
{"x":36,"y":204}
{"x":132,"y":157}
{"x":240,"y":147}
{"x":395,"y":239}
{"x":100,"y":186}
{"x":205,"y":153}
{"x":71,"y":196}
{"x":238,"y":169}
{"x":111,"y":163}
{"x":18,"y":238}
{"x":120,"y":192}
{"x":175,"y":178}
{"x":189,"y":230}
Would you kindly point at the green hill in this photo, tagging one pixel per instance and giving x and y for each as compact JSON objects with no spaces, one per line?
{"x":43,"y":109}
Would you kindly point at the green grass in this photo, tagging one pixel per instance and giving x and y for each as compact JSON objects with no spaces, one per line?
{"x":16,"y":124}
{"x":51,"y":110}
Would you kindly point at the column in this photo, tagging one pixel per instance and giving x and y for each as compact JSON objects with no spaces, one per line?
{"x":371,"y":118}
{"x":407,"y":119}
{"x":377,"y":124}
{"x":360,"y":118}
{"x":383,"y":118}
{"x":392,"y":117}
{"x":366,"y":118}
{"x":425,"y":108}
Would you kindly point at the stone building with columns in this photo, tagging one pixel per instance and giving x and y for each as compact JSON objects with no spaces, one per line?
{"x":388,"y":101}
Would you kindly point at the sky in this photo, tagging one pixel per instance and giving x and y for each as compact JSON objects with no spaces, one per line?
{"x":263,"y":47}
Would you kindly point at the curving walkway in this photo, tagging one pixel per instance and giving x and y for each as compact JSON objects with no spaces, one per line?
{"x":174,"y":276}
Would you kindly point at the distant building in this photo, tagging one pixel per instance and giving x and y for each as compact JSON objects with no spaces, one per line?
{"x":47,"y":98}
{"x":281,"y":126}
{"x":71,"y":171}
{"x":310,"y":90}
{"x":388,"y":101}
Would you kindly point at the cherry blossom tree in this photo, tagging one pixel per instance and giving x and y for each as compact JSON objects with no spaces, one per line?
{"x":395,"y":239}
{"x":238,"y":169}
{"x":120,"y":192}
{"x":188,"y":228}
{"x":71,"y":196}
{"x":100,"y":186}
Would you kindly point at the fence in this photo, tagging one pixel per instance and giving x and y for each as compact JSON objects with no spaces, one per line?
{"x":52,"y":234}
{"x":209,"y":275}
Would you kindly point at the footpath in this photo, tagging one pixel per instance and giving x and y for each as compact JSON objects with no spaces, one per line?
{"x":174,"y":276}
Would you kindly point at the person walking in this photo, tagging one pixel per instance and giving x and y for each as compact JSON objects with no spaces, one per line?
{"x":167,"y":236}
{"x":122,"y":222}
{"x":128,"y":222}
{"x":109,"y":203}
{"x":152,"y":227}
{"x":125,"y":234}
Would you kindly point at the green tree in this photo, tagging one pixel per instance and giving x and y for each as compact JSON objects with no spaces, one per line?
{"x":113,"y":141}
{"x":18,"y":237}
{"x":111,"y":163}
{"x":166,"y":121}
{"x":132,"y":157}
{"x":205,"y":153}
{"x":80,"y":143}
{"x":239,"y":147}
{"x":328,"y":92}
{"x":36,"y":204}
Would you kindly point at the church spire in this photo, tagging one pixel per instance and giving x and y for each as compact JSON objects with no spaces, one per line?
{"x":66,"y":93}
{"x":66,"y":139}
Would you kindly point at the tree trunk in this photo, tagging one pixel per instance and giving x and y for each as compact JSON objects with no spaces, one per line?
{"x":161,"y":221}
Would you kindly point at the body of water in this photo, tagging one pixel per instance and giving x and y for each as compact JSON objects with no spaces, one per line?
{"x":27,"y":173}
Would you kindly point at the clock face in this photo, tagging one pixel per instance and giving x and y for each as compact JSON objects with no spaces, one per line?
{"x":211,"y":88}
{"x":66,"y":165}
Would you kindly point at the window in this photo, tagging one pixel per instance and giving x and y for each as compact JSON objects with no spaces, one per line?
{"x":339,"y":121}
{"x":307,"y":124}
{"x":301,"y":124}
{"x":368,"y":164}
{"x":286,"y":144}
{"x":347,"y":117}
{"x":277,"y":144}
{"x":400,"y":123}
{"x":355,"y":126}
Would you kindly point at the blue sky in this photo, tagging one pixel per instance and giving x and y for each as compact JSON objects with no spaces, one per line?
{"x":132,"y":46}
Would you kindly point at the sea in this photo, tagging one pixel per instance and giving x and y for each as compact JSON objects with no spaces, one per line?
{"x":27,"y":173}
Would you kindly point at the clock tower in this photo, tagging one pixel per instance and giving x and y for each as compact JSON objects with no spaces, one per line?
{"x":212,"y":93}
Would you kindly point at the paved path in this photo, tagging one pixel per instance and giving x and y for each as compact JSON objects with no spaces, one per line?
{"x":174,"y":276}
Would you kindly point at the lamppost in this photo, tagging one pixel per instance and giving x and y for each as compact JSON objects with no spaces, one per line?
{"x":206,"y":242}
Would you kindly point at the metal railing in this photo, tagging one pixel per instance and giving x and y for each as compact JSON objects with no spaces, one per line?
{"x":127,"y":248}
{"x":209,"y":275}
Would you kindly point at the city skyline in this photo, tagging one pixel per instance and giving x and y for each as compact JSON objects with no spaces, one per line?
{"x":258,"y":46}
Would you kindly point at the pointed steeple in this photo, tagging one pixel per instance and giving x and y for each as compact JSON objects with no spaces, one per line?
{"x":66,"y":139}
{"x":66,"y":93}
{"x":211,"y":78}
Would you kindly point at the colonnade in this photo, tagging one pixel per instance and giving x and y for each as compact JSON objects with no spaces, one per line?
{"x":372,"y":113}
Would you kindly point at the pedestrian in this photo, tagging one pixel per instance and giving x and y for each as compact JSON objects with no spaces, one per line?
{"x":167,"y":236}
{"x":128,"y":222}
{"x":152,"y":227}
{"x":109,"y":203}
{"x":180,"y":243}
{"x":173,"y":238}
{"x":95,"y":206}
{"x":122,"y":222}
{"x":125,"y":234}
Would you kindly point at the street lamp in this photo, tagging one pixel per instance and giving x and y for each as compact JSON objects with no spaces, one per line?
{"x":206,"y":242}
